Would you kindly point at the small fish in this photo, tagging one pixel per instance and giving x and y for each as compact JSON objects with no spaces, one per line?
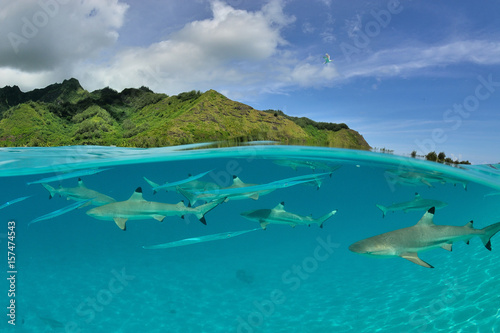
{"x":11,"y":202}
{"x":74,"y":174}
{"x":194,"y":240}
{"x":61,"y":211}
{"x":174,"y":185}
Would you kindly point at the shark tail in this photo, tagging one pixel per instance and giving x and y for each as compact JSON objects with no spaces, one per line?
{"x":151,"y":183}
{"x":489,"y":232}
{"x":383,"y":209}
{"x":51,"y":190}
{"x":189,"y":195}
{"x":205,"y":208}
{"x":325,"y":217}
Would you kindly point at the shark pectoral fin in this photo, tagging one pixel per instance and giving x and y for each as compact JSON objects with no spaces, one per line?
{"x":159,"y":217}
{"x":447,"y":246}
{"x":413,"y":257}
{"x":383,"y":209}
{"x":202,"y":220}
{"x":120,"y":222}
{"x":85,"y":205}
{"x":426,"y":182}
{"x":263,"y":224}
{"x":254,"y":196}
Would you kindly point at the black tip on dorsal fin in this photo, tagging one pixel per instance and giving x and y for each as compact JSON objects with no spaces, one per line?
{"x":138,"y":190}
{"x":234,"y":176}
{"x":282,"y":203}
{"x":79,"y":179}
{"x":432,"y":210}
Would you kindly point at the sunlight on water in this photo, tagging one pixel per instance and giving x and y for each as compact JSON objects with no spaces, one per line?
{"x":77,"y":271}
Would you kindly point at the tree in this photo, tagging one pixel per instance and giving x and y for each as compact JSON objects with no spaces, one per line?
{"x":413,"y":154}
{"x":432,"y":156}
{"x":441,"y":156}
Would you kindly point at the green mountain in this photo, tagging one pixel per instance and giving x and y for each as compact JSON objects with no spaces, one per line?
{"x":66,"y":114}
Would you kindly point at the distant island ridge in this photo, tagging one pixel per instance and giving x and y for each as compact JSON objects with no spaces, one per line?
{"x":63,"y":114}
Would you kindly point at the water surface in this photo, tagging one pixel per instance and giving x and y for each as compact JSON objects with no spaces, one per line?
{"x":79,"y":274}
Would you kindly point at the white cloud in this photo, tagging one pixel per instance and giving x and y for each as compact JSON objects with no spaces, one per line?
{"x":233,"y":47}
{"x":308,"y":28}
{"x":411,"y":60}
{"x":45,"y":34}
{"x":239,"y":51}
{"x":313,"y":75}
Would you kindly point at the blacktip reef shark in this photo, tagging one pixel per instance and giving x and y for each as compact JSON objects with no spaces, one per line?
{"x":414,"y":178}
{"x":79,"y":193}
{"x":240,"y":190}
{"x":423,"y":236}
{"x":214,"y":194}
{"x":418,"y":203}
{"x":173,"y":185}
{"x":68,"y":175}
{"x":61,"y":211}
{"x":201,"y":239}
{"x":278,"y":215}
{"x":136,"y":208}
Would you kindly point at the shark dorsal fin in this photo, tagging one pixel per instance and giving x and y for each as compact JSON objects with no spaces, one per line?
{"x":137,"y":195}
{"x":237,"y":181}
{"x":280,"y":206}
{"x":417,"y":196}
{"x":80,"y":183}
{"x":427,"y":218}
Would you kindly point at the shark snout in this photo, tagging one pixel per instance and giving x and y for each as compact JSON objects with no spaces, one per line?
{"x":247,"y":214}
{"x":357,"y":247}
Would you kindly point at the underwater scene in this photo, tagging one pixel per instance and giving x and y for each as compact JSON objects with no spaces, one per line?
{"x":247,"y":239}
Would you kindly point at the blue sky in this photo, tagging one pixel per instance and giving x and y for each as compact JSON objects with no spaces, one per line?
{"x":407,"y":75}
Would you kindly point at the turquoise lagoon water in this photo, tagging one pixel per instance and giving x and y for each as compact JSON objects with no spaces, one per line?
{"x":79,"y":274}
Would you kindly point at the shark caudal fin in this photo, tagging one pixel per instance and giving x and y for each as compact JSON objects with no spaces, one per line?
{"x":325,"y":217}
{"x":383,"y":209}
{"x":51,"y":190}
{"x":489,"y":232}
{"x":205,"y":208}
{"x":152,"y":184}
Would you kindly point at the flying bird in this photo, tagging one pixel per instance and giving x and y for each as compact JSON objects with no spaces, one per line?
{"x":327,"y":58}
